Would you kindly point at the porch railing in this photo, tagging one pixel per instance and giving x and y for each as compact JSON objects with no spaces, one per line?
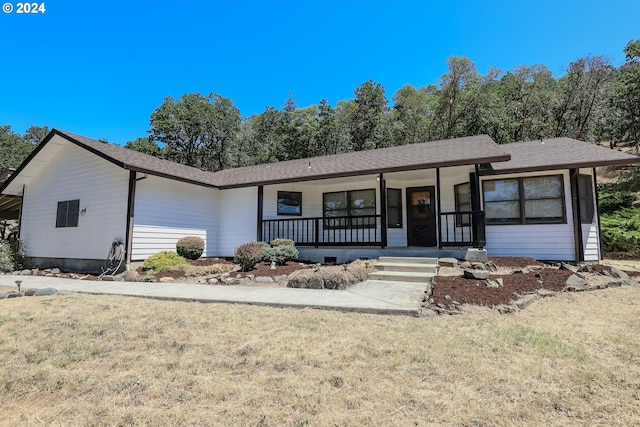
{"x":362,"y":230}
{"x":464,"y":228}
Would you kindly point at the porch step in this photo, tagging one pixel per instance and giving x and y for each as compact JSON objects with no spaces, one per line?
{"x":401,"y":276}
{"x":405,"y":269}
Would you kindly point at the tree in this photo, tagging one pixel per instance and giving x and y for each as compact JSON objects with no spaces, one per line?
{"x":144,"y":145}
{"x":413,"y":113}
{"x":581,"y":92}
{"x":366,"y":116}
{"x":35,"y":134}
{"x":13,"y":148}
{"x":197,"y":130}
{"x":626,"y":96}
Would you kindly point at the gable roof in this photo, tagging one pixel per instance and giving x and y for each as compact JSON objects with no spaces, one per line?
{"x":557,"y":153}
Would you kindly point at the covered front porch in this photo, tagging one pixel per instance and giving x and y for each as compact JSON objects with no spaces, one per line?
{"x":429,"y":212}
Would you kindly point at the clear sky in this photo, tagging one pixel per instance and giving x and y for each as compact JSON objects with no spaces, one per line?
{"x":99,"y":68}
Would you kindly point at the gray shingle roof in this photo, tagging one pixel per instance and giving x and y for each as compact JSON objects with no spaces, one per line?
{"x":558,"y":153}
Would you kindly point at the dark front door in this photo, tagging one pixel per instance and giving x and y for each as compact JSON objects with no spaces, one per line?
{"x":421,"y":218}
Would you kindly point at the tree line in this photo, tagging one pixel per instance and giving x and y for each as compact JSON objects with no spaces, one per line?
{"x":592,"y":101}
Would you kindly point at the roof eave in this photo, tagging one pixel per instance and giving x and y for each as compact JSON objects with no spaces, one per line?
{"x":168,"y":176}
{"x":348,"y":174}
{"x":620,"y":162}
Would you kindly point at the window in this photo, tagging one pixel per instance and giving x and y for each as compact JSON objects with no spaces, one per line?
{"x":394,"y":208}
{"x":462,"y":194}
{"x":587,"y":206}
{"x":531,"y":200}
{"x":289,"y":203}
{"x":67,"y":215}
{"x":346,"y":208}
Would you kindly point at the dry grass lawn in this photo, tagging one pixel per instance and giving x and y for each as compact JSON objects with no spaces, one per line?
{"x":82,"y":360}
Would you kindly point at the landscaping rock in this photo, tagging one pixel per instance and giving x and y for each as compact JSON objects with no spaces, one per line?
{"x":448,"y":262}
{"x":26,"y":273}
{"x":250,"y":276}
{"x":281,"y":278}
{"x":3,"y":295}
{"x":54,"y":271}
{"x":45,"y":292}
{"x":569,"y":267}
{"x":576,"y":281}
{"x":618,"y":274}
{"x":167,"y":280}
{"x":131,"y":276}
{"x":489,"y":283}
{"x":478,"y":266}
{"x":490,"y":266}
{"x":264,"y":279}
{"x":29,"y":292}
{"x":465,"y":265}
{"x":521,"y":271}
{"x":149,"y":278}
{"x":544,"y":293}
{"x":476,"y":274}
{"x":14,"y":294}
{"x":506,"y":309}
{"x":212,"y":281}
{"x":526,"y":301}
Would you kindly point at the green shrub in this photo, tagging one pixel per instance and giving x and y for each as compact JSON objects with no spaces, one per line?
{"x":19,"y":255}
{"x":621,"y":231}
{"x":6,"y":257}
{"x":610,"y":200}
{"x":282,"y":242}
{"x":281,"y":254}
{"x":163,"y":261}
{"x":190,"y":247}
{"x":265,"y":247}
{"x":248,"y":255}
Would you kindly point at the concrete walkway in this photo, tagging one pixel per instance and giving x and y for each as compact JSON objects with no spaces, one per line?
{"x":372,"y":296}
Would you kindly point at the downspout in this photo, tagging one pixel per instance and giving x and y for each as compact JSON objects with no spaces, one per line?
{"x":383,"y":210}
{"x":595,"y":189}
{"x":577,"y":224}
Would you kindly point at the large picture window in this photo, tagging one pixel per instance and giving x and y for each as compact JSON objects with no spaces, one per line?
{"x":349,"y":209}
{"x":531,"y":200}
{"x":67,"y":214}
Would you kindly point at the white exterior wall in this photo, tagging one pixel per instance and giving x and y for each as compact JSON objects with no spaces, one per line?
{"x":238,"y":219}
{"x":166,"y":210}
{"x":539,"y":241}
{"x":102,"y":188}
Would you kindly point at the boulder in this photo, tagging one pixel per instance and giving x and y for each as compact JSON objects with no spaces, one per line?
{"x":478,"y":266}
{"x":264,"y":279}
{"x":3,"y":295}
{"x":569,"y":267}
{"x":491,"y":266}
{"x":131,"y":276}
{"x":14,"y":294}
{"x":526,"y":301}
{"x":465,"y":264}
{"x":476,"y":274}
{"x":45,"y":292}
{"x":489,"y":283}
{"x":212,"y":281}
{"x":54,"y":271}
{"x":618,"y":274}
{"x":280,"y":278}
{"x":167,"y":280}
{"x":448,"y":262}
{"x":30,"y":292}
{"x":576,"y":281}
{"x":26,"y":273}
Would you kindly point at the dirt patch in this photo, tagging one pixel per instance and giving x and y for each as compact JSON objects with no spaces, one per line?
{"x":450,"y":290}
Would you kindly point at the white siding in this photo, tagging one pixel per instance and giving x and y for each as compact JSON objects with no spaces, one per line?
{"x":590,"y":233}
{"x":238,"y":223}
{"x":102,"y":188}
{"x":539,"y":241}
{"x":166,"y":210}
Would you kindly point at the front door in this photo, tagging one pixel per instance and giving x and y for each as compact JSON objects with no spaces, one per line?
{"x":421,"y":218}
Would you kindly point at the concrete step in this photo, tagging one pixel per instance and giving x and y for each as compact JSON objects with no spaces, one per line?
{"x":408,"y":260}
{"x":401,"y":276}
{"x":407,"y":267}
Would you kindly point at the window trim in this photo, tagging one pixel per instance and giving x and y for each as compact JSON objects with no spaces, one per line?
{"x":349,"y":217}
{"x":399,"y":207}
{"x":297,"y":196}
{"x":522,"y":220}
{"x":64,"y":208}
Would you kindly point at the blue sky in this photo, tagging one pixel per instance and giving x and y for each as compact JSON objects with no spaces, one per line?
{"x":100,"y":68}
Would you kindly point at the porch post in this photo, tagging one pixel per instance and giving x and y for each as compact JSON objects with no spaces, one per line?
{"x":575,"y":205}
{"x":383,"y":210}
{"x":595,"y":189}
{"x":438,"y":210}
{"x":477,"y":218}
{"x":130,"y":209}
{"x":260,"y":212}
